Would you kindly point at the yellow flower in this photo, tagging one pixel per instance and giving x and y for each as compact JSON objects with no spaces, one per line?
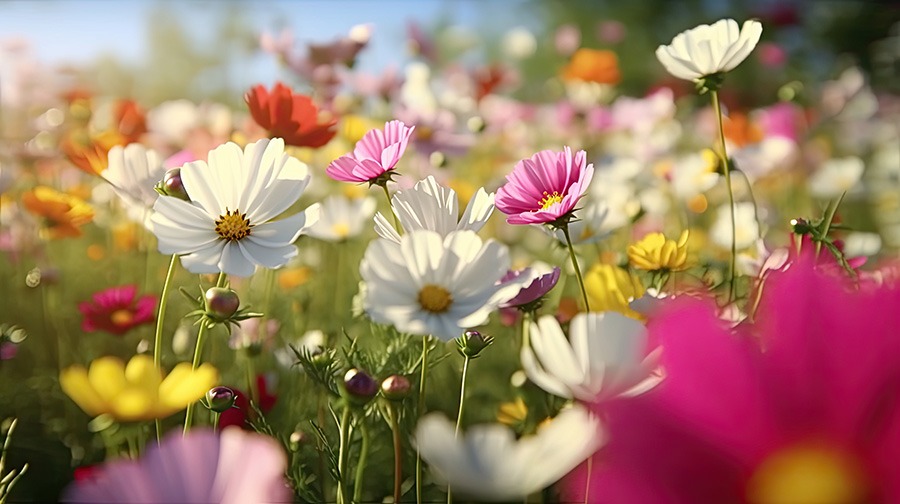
{"x":513,"y":413}
{"x":64,"y":214}
{"x":610,"y":288}
{"x":291,"y":278}
{"x":354,"y":127}
{"x":135,"y":392}
{"x":655,"y":252}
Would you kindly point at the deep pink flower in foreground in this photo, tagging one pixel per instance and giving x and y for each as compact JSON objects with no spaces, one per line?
{"x":545,"y":188}
{"x":374,"y":156}
{"x":117,"y":310}
{"x":801,"y":407}
{"x":203,"y":467}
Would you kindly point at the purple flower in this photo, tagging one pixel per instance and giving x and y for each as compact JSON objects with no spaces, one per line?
{"x":533,"y":291}
{"x":376,"y":154}
{"x":545,"y":188}
{"x":202,"y":467}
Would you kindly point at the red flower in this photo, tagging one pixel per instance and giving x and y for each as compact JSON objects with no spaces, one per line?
{"x":293,"y":117}
{"x":239,"y":414}
{"x":117,"y":310}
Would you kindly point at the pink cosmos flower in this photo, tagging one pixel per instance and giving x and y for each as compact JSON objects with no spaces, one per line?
{"x":802,"y":407}
{"x":532,"y":292}
{"x":117,"y":310}
{"x":203,"y":467}
{"x":545,"y":188}
{"x":374,"y":156}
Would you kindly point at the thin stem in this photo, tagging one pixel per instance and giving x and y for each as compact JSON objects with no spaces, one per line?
{"x":198,"y":351}
{"x":398,"y":454}
{"x":587,"y":480}
{"x":420,"y":410}
{"x":343,"y":455}
{"x":361,"y":463}
{"x":587,"y":305}
{"x":216,"y":416}
{"x":723,"y":153}
{"x":459,"y":414}
{"x":160,"y":319}
{"x":387,"y":194}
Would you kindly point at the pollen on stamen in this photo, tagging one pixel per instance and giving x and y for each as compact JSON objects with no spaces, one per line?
{"x":550,"y":199}
{"x":233,"y":225}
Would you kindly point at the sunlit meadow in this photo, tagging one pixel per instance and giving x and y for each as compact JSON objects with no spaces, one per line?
{"x":597,"y":252}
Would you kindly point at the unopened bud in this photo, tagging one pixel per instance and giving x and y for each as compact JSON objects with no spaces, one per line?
{"x":172,"y":185}
{"x":221,"y":302}
{"x":471,"y":343}
{"x":220,"y":399}
{"x":360,"y":387}
{"x":395,"y":387}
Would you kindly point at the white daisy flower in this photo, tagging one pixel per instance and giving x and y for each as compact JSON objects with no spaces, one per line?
{"x":489,"y":463}
{"x":133,"y":172}
{"x":607,"y":357}
{"x":746,"y":229}
{"x":429,"y":205}
{"x":709,"y":49}
{"x":342,"y":218}
{"x":226,"y":226}
{"x":430,"y":284}
{"x":836,"y":176}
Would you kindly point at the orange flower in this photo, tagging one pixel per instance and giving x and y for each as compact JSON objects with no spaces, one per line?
{"x":740,"y":130}
{"x":130,"y":120}
{"x":89,"y":152}
{"x":593,"y":65}
{"x":63,"y":214}
{"x":293,"y":117}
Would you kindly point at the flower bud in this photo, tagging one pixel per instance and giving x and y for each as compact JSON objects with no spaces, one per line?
{"x":471,"y":343}
{"x":296,"y":440}
{"x":395,"y":387}
{"x":360,"y":387}
{"x":172,"y":186}
{"x":220,"y":399}
{"x":221,"y":302}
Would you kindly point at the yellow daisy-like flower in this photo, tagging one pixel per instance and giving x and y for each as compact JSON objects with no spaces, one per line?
{"x":138,"y":391}
{"x":513,"y":413}
{"x":655,"y":252}
{"x":64,"y":214}
{"x":610,"y":288}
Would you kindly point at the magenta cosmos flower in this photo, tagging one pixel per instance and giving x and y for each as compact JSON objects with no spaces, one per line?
{"x":528,"y":299}
{"x":545,"y":188}
{"x":801,"y":407}
{"x":232,"y":467}
{"x":117,"y":310}
{"x":374,"y":156}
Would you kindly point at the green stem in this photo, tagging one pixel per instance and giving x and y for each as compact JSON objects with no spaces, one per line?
{"x":198,"y":351}
{"x":459,"y":413}
{"x":216,"y":416}
{"x":723,"y":153}
{"x":420,"y":411}
{"x":343,"y":455}
{"x":398,"y":454}
{"x":361,"y":463}
{"x":387,"y":194}
{"x":160,"y":318}
{"x":584,"y":296}
{"x":829,"y":219}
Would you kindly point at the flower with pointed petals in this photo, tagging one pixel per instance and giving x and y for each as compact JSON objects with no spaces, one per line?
{"x":133,"y":172}
{"x":607,"y":357}
{"x":226,"y":225}
{"x":202,"y":466}
{"x":811,"y":383}
{"x":431,"y":284}
{"x":429,"y":205}
{"x":374,"y":157}
{"x":117,"y":310}
{"x":342,"y":218}
{"x":545,"y":188}
{"x":709,"y":49}
{"x":656,"y":252}
{"x":290,"y":116}
{"x":531,"y":294}
{"x":489,"y":463}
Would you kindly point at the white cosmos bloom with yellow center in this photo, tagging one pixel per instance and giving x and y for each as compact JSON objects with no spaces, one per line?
{"x":342,"y":218}
{"x":709,"y":49}
{"x":430,"y":284}
{"x":227,"y":225}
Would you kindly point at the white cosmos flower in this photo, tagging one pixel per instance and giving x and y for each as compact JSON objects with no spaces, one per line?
{"x":607,"y":357}
{"x":489,"y":463}
{"x":836,"y":176}
{"x":133,"y":172}
{"x":429,"y":205}
{"x":746,"y":229}
{"x":709,"y":49}
{"x":590,"y":227}
{"x":342,"y":218}
{"x":694,"y":174}
{"x":430,"y":284}
{"x":226,"y":226}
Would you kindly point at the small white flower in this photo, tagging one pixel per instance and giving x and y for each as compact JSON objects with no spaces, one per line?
{"x":342,"y":218}
{"x":694,"y":174}
{"x":489,"y":463}
{"x":709,"y":49}
{"x":133,"y":172}
{"x":746,"y":229}
{"x":607,"y":357}
{"x":429,"y":205}
{"x":519,"y":43}
{"x":836,"y":176}
{"x":226,"y":226}
{"x":430,"y":284}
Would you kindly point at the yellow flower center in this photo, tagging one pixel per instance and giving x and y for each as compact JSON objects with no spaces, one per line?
{"x":550,"y":199}
{"x":121,"y":317}
{"x":340,"y":229}
{"x":233,"y":225}
{"x":435,"y":298}
{"x":808,"y":474}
